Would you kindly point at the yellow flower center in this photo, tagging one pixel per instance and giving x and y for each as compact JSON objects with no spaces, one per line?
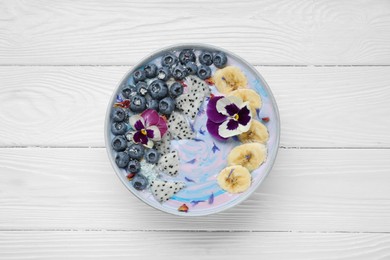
{"x":143,"y":131}
{"x":236,"y":117}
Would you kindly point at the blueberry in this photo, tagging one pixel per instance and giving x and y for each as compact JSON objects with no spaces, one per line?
{"x":137,"y":103}
{"x":129,"y":91}
{"x":192,"y":69}
{"x":187,"y":55}
{"x":140,"y":182}
{"x":122,"y":159}
{"x":220,"y":59}
{"x":206,"y":58}
{"x":168,"y":59}
{"x":158,"y":89}
{"x":119,"y":143}
{"x":142,"y":88}
{"x":163,"y":73}
{"x":150,"y":70}
{"x":136,"y":151}
{"x":176,"y":89}
{"x":179,"y":72}
{"x":133,"y":166}
{"x":166,"y":105}
{"x":139,"y":75}
{"x":118,"y":114}
{"x":152,"y":156}
{"x":151,"y":103}
{"x":118,"y":128}
{"x":204,"y":72}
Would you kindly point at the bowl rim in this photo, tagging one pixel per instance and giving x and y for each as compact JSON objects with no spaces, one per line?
{"x":173,"y":47}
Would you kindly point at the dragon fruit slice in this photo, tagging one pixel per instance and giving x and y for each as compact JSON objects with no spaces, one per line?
{"x":190,"y":103}
{"x":169,"y":163}
{"x":164,"y":190}
{"x":163,"y":146}
{"x":196,"y":85}
{"x":179,"y":127}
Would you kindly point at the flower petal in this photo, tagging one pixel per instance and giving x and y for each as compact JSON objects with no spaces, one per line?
{"x":139,"y":125}
{"x":221,"y":105}
{"x":162,"y":126}
{"x":225,"y":102}
{"x":212,"y":112}
{"x":149,"y":144}
{"x":212,"y":127}
{"x":244,"y":115}
{"x":232,"y":109}
{"x":149,"y":133}
{"x":232,"y":124}
{"x":144,"y":139}
{"x":245,"y":119}
{"x":226,"y":129}
{"x":151,"y":117}
{"x":244,"y":128}
{"x":137,"y":137}
{"x":153,"y":133}
{"x":137,"y":122}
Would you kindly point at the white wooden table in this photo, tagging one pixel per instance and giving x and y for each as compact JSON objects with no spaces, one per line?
{"x":328,"y":64}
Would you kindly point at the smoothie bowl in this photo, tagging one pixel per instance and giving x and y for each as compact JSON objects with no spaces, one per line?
{"x":192,"y":130}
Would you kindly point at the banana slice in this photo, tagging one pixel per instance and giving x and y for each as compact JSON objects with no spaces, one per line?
{"x":249,"y":155}
{"x":257,"y":133}
{"x":229,"y":79}
{"x":234,"y":179}
{"x":249,"y":95}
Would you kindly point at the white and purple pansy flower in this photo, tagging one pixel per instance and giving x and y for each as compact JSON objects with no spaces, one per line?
{"x":227,"y":117}
{"x":149,"y":127}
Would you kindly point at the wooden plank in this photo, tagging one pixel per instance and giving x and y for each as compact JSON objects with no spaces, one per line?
{"x":55,"y":105}
{"x":263,"y":32}
{"x":308,"y":190}
{"x":191,"y":245}
{"x":332,"y":107}
{"x":319,"y":106}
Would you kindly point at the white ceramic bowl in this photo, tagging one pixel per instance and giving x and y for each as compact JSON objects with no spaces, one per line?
{"x":204,"y":196}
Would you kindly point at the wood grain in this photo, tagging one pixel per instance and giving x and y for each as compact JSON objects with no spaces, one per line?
{"x":308,"y":190}
{"x":319,"y":106}
{"x":191,"y":245}
{"x":53,"y":105}
{"x":262,"y":32}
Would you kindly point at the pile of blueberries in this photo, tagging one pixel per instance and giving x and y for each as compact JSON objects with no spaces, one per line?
{"x":157,"y":94}
{"x":147,"y":88}
{"x":130,"y":154}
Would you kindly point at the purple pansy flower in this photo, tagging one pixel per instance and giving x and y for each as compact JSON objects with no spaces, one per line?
{"x":149,"y":126}
{"x":227,"y":116}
